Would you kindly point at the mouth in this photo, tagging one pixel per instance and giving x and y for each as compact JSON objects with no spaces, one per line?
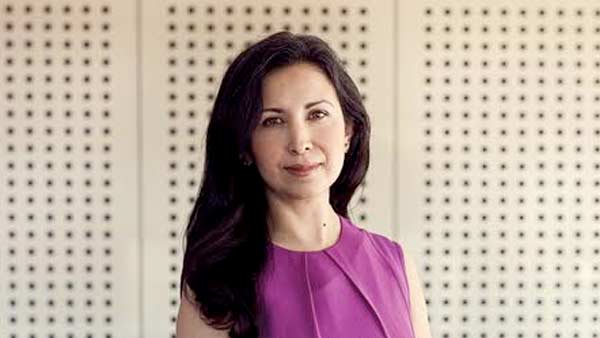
{"x":302,"y":170}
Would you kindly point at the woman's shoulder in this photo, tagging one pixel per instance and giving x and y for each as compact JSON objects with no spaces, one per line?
{"x":392,"y":253}
{"x":386,"y":246}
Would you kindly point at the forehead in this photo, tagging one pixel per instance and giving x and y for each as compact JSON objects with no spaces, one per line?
{"x":302,"y":82}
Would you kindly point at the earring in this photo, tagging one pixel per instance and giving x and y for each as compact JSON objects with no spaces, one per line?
{"x":245,"y":160}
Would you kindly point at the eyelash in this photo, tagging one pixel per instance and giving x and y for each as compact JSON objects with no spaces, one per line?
{"x":266,"y":124}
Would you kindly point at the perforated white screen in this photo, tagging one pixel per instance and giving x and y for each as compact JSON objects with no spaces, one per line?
{"x":498,"y":137}
{"x":484,"y":154}
{"x":69,"y":228}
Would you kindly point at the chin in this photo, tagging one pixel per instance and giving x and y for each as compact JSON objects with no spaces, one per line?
{"x":306,"y":192}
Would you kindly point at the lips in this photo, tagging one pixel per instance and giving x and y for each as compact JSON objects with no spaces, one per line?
{"x":302,"y":167}
{"x":302,"y":170}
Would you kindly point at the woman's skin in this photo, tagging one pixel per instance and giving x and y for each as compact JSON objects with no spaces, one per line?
{"x":418,"y":308}
{"x":299,"y":216}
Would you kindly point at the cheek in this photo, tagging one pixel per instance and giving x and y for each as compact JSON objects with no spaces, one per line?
{"x":333,"y":146}
{"x":265,"y":151}
{"x":333,"y":137}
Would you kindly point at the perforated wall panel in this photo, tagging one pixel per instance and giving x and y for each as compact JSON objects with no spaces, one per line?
{"x":497,"y":136}
{"x":484,"y":152}
{"x":68,"y":170}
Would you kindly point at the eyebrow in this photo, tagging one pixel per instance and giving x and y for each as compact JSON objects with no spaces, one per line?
{"x":306,"y":106}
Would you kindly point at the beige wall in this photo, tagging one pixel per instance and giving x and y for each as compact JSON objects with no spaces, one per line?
{"x":484,"y":154}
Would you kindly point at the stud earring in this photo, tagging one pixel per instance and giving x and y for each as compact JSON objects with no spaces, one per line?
{"x":246,"y":160}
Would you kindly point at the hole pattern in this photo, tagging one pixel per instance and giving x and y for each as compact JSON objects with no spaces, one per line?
{"x":56,"y":170}
{"x":510,"y":126}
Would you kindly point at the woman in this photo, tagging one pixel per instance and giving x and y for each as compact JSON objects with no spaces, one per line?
{"x":270,"y":251}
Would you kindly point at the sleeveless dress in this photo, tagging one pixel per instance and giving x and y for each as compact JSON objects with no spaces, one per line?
{"x":356,"y":288}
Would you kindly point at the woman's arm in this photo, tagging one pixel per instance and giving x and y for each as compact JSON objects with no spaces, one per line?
{"x":190,"y":324}
{"x":418,"y":310}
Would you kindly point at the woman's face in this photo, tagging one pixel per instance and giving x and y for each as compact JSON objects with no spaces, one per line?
{"x":302,"y":124}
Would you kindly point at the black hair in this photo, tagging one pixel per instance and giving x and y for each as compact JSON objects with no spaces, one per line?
{"x":226,"y":239}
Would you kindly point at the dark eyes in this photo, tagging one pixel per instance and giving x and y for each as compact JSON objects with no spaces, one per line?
{"x":319,"y":114}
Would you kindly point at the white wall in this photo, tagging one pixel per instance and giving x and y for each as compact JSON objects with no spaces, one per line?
{"x":484,"y":154}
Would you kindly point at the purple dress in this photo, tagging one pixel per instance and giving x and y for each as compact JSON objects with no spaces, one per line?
{"x":356,"y":288}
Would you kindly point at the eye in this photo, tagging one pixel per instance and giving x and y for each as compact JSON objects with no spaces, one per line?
{"x":320,"y":113}
{"x":269,"y":121}
{"x":276,"y":120}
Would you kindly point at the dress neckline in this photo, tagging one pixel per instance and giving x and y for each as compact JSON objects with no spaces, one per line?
{"x":329,"y":248}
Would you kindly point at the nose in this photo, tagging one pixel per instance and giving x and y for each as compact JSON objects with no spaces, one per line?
{"x":299,"y":139}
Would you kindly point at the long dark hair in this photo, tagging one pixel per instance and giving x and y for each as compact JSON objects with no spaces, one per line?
{"x":226,"y":239}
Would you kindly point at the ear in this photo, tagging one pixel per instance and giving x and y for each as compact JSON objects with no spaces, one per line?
{"x":348,"y":135}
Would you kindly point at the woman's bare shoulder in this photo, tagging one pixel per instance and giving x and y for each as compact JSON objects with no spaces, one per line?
{"x":190,"y":323}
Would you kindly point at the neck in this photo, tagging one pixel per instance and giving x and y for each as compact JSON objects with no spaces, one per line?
{"x":306,"y":226}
